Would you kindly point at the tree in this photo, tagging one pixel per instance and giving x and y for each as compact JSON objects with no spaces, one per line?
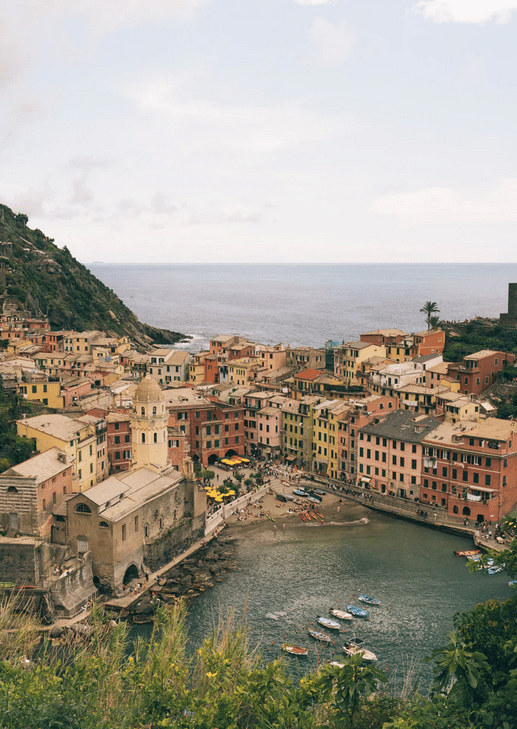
{"x":430,"y":308}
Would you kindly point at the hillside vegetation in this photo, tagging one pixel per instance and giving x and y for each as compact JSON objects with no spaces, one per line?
{"x":48,"y":281}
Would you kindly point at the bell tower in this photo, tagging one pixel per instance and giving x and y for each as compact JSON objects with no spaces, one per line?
{"x":149,"y":425}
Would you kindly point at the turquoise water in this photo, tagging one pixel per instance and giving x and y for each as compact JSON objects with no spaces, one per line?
{"x":305,"y":571}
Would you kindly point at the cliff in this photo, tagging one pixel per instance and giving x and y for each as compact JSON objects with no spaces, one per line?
{"x":44,"y":280}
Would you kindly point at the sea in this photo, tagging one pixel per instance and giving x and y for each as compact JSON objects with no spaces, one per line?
{"x":301,"y":573}
{"x":305,"y":304}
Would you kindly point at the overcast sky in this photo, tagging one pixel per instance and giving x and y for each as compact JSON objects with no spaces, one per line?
{"x":262,"y":130}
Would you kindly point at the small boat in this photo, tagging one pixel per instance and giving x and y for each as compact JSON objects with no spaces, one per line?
{"x":320,"y":492}
{"x":353,"y":650}
{"x":337,"y":664}
{"x":300,"y":492}
{"x":288,"y":497}
{"x":495,"y":569}
{"x":272,"y":616}
{"x":467,"y":552}
{"x":295,"y":650}
{"x":328,"y":623}
{"x":314,"y":499}
{"x":320,"y":635}
{"x":302,"y":516}
{"x":358,"y":612}
{"x":369,"y":600}
{"x":341,"y":614}
{"x":513,"y":583}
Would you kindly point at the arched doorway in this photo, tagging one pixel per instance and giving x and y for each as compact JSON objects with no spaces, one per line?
{"x":466,"y":511}
{"x":212,"y":460}
{"x":130,"y":574}
{"x":231,"y":453}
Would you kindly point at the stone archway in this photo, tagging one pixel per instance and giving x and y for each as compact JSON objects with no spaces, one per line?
{"x":466,"y":511}
{"x":130,"y":574}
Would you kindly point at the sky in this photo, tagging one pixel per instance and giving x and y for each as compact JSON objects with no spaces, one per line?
{"x":285,"y":131}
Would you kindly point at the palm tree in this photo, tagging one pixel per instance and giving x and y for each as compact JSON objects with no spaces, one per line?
{"x":430,"y":308}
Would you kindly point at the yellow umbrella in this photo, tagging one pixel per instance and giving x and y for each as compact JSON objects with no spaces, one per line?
{"x":213,"y":494}
{"x":245,"y":460}
{"x":218,"y":498}
{"x":234,"y":463}
{"x":226,"y":460}
{"x":230,"y":492}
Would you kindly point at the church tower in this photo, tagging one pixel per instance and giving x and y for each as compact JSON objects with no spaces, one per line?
{"x":149,"y":425}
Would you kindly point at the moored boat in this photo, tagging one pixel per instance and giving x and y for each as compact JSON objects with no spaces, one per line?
{"x":369,"y":600}
{"x":295,"y":650}
{"x":341,"y":614}
{"x":328,"y":623}
{"x":466,"y":552}
{"x":320,"y":635}
{"x":495,"y":569}
{"x":358,"y":612}
{"x":300,"y":492}
{"x":353,"y":650}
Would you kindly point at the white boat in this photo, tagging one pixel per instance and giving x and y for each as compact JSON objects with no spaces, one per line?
{"x":353,"y":650}
{"x":369,"y":600}
{"x":320,"y":635}
{"x":328,"y":623}
{"x":340,"y":614}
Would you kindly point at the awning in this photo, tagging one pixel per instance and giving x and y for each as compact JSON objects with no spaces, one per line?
{"x":482,"y":488}
{"x":366,"y":479}
{"x":291,"y":458}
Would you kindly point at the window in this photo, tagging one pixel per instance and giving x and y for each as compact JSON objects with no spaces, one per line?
{"x":155,"y":437}
{"x":136,"y":523}
{"x":117,"y":426}
{"x":82,"y":509}
{"x":104,"y":525}
{"x":117,"y":439}
{"x":488,"y":479}
{"x":123,"y":532}
{"x":143,"y":437}
{"x":488,"y":462}
{"x":117,"y":455}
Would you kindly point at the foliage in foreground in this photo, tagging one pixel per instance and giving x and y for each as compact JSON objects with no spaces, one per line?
{"x":101,"y":684}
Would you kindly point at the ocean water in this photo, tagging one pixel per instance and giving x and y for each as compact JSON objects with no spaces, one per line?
{"x":304,"y":304}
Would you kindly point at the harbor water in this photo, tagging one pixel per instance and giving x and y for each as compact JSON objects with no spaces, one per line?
{"x":303,"y":572}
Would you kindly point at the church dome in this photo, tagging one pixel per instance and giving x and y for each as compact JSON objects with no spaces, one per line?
{"x":148,"y":390}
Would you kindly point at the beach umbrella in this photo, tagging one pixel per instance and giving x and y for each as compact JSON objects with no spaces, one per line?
{"x":245,"y":460}
{"x":226,"y":460}
{"x":218,"y":498}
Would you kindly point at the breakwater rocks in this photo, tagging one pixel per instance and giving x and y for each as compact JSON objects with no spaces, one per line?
{"x":186,"y":580}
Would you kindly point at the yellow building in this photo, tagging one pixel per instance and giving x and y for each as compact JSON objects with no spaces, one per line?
{"x":243,"y":371}
{"x":49,"y":393}
{"x":81,"y":441}
{"x":349,"y":358}
{"x":325,"y":438}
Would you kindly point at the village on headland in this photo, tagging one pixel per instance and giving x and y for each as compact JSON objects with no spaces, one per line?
{"x":126,"y":462}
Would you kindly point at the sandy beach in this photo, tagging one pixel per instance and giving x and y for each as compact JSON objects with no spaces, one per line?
{"x":335,"y":510}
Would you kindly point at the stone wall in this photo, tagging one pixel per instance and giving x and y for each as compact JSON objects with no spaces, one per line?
{"x":176,"y":540}
{"x":72,"y":591}
{"x":19,"y":563}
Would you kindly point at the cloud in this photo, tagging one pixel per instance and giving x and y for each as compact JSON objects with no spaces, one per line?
{"x":333,"y":42}
{"x":315,"y":2}
{"x":466,"y":11}
{"x":208,"y":217}
{"x":438,"y":205}
{"x":205,"y":126}
{"x":103,"y":17}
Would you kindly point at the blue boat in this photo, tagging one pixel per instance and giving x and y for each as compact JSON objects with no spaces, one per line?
{"x":357,"y":612}
{"x":301,"y":492}
{"x":513,"y":583}
{"x":494,"y":570}
{"x":369,"y":600}
{"x":320,"y":635}
{"x":328,"y":623}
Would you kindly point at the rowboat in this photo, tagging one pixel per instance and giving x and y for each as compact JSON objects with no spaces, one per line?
{"x":358,"y":612}
{"x":300,"y":492}
{"x":295,"y":650}
{"x":369,"y":600}
{"x":466,"y":552}
{"x":314,"y":499}
{"x":328,"y":623}
{"x":354,"y":650}
{"x":319,"y":635}
{"x":341,"y":614}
